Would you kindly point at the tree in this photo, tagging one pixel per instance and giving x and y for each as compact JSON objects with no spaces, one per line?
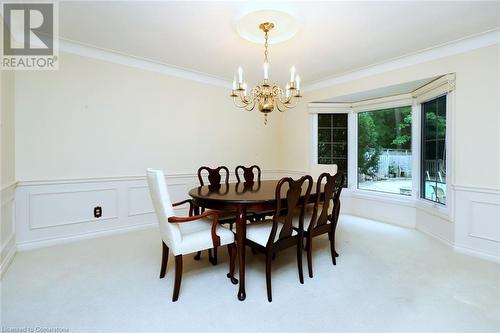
{"x":368,"y":146}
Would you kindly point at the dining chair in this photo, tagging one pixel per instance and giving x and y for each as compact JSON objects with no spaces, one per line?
{"x":251,"y":175}
{"x":324,"y":216}
{"x":276,"y":234}
{"x":248,"y":173}
{"x":214,"y":177}
{"x":183,"y":235}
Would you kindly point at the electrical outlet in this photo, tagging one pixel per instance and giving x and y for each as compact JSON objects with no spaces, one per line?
{"x":97,"y":212}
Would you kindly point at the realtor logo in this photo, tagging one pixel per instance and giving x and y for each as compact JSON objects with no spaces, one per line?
{"x":28,"y":36}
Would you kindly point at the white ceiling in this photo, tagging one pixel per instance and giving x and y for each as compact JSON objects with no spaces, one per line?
{"x":335,"y":37}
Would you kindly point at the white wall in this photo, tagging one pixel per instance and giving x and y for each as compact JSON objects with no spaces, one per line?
{"x":7,"y":171}
{"x":92,"y":118}
{"x":475,"y":154}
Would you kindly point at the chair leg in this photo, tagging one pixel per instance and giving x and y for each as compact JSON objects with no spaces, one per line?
{"x":164,"y":260}
{"x":231,"y":248}
{"x":299,"y":260}
{"x":268,"y":276}
{"x":309,"y":257}
{"x":212,"y":259}
{"x":197,"y":256}
{"x":178,"y":277}
{"x":332,"y":249}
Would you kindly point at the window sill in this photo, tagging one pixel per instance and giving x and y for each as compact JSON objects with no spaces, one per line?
{"x":381,"y":196}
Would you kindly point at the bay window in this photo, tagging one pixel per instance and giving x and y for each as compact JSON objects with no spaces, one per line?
{"x":392,"y":145}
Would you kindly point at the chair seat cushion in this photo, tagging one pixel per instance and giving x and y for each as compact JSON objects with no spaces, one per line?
{"x":259,"y":232}
{"x":198,"y":236}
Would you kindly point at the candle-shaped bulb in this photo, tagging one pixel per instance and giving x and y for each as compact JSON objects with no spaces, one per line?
{"x":240,"y":75}
{"x":287,"y":91}
{"x":266,"y":70}
{"x":298,"y":82}
{"x":292,"y":74}
{"x":234,"y":83}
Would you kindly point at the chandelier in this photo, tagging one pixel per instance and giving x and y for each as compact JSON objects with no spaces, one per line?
{"x":265,"y":96}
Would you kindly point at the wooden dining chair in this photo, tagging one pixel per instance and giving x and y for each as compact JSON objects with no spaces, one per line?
{"x":248,"y":173}
{"x":250,"y":176}
{"x":276,"y":234}
{"x":324,"y":216}
{"x":214,"y":177}
{"x":183,"y":235}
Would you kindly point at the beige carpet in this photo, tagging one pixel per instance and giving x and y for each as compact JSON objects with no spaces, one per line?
{"x":387,"y":278}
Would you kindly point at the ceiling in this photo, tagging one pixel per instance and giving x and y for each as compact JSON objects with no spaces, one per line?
{"x":334,"y":38}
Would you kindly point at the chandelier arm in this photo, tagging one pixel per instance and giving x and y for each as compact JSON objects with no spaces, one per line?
{"x":241,"y":106}
{"x":278,"y":107}
{"x":252,"y":106}
{"x":291,"y":103}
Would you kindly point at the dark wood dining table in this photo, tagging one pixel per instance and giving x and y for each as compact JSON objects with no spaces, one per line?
{"x":241,"y":198}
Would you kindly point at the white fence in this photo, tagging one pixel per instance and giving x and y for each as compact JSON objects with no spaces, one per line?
{"x":400,"y":159}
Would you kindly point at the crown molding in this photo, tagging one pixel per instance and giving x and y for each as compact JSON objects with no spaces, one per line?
{"x":94,"y":52}
{"x":478,"y":41}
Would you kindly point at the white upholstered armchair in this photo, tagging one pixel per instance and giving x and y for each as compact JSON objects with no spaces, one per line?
{"x":183,"y":235}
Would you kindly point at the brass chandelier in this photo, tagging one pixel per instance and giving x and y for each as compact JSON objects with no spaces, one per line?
{"x":266,"y":96}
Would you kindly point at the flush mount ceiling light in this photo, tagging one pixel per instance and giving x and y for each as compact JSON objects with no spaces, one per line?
{"x":266,"y":96}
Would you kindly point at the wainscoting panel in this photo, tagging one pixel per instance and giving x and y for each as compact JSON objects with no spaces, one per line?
{"x":477,"y":220}
{"x":51,"y":209}
{"x":56,"y":211}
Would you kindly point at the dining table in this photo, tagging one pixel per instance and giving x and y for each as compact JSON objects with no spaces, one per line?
{"x":242,"y":198}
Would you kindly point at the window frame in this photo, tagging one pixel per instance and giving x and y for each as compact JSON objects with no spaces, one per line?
{"x":422,"y":159}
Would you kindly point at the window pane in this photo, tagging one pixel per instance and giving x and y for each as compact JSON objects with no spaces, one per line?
{"x":340,"y":135}
{"x":339,"y":150}
{"x":332,"y":140}
{"x":325,"y":150}
{"x":384,"y":150}
{"x":433,"y":157}
{"x":324,"y":135}
{"x":340,"y":120}
{"x":324,"y":120}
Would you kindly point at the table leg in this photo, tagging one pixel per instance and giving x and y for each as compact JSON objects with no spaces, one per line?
{"x":241,"y":230}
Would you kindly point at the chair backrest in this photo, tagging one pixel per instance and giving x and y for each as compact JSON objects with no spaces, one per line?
{"x":322,"y":204}
{"x":214,"y":175}
{"x":163,"y":207}
{"x":318,"y":169}
{"x":293,"y":203}
{"x":336,"y":197}
{"x":248,"y":173}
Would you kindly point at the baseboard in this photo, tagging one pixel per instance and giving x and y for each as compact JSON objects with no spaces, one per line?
{"x":32,"y":245}
{"x":477,"y":254}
